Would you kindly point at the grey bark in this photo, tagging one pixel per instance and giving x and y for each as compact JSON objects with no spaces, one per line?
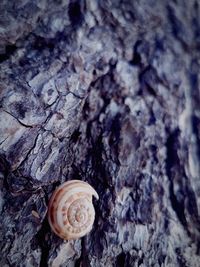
{"x":105,"y":92}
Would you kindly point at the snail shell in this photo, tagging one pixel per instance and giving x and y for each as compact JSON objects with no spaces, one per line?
{"x":71,"y":213}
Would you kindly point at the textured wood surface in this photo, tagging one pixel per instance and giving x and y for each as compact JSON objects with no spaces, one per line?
{"x":105,"y":92}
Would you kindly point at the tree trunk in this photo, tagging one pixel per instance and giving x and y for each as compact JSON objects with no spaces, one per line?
{"x":105,"y":92}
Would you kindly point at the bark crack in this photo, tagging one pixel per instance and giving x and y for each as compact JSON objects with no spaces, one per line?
{"x":23,"y":124}
{"x":29,"y":152}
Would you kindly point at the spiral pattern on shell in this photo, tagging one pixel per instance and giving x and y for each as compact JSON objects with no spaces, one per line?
{"x":71,"y":213}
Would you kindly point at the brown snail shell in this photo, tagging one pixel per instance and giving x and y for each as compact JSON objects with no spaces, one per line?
{"x":70,"y":212}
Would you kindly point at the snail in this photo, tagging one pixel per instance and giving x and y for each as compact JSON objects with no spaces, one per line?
{"x":70,"y":211}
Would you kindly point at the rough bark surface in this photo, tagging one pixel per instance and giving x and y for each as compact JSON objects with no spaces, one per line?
{"x":105,"y":92}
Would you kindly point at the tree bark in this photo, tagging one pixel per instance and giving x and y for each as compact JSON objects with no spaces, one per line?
{"x":105,"y":92}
